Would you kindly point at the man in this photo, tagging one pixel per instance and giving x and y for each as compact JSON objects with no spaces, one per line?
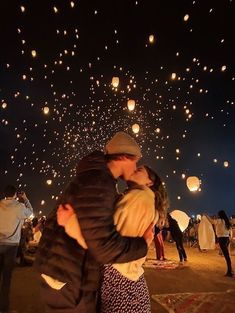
{"x":12,"y":215}
{"x":71,"y":272}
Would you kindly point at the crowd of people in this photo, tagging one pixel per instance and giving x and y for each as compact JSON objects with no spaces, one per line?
{"x":92,"y":246}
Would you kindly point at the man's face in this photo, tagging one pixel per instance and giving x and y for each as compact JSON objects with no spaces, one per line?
{"x":129,"y":167}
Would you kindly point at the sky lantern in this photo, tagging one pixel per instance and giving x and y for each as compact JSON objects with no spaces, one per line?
{"x":193,"y":183}
{"x":223,"y":68}
{"x":186,"y":17}
{"x":4,"y":105}
{"x":34,"y":53}
{"x":226,"y":164}
{"x":46,"y":110}
{"x":49,"y":182}
{"x":182,"y":218}
{"x":173,"y":76}
{"x":115,"y":82}
{"x":131,"y":105}
{"x":135,"y":128}
{"x":151,"y":38}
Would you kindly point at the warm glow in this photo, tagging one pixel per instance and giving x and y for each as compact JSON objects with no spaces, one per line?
{"x":193,"y":183}
{"x":115,"y":82}
{"x":135,"y":128}
{"x":131,"y":105}
{"x":46,"y":110}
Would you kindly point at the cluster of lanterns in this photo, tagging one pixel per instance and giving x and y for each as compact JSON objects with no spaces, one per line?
{"x":130,"y":103}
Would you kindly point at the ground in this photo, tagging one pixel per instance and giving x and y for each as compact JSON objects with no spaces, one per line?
{"x":204,"y":272}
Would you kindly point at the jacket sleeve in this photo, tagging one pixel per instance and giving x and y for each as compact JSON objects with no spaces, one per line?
{"x":94,"y":209}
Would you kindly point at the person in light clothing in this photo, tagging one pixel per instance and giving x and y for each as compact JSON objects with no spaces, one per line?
{"x":12,"y":215}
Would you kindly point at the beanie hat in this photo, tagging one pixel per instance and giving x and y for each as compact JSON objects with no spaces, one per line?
{"x":122,"y":143}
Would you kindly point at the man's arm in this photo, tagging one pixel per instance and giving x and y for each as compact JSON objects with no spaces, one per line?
{"x":27,"y":207}
{"x":94,"y":211}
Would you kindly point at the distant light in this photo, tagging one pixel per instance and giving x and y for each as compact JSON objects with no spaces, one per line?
{"x":173,"y":76}
{"x":49,"y":182}
{"x":157,"y":130}
{"x":22,"y":8}
{"x":223,"y":68}
{"x":55,"y":9}
{"x":4,"y":105}
{"x":151,"y":38}
{"x":226,"y":164}
{"x":72,"y":4}
{"x":34,"y":53}
{"x":177,"y":151}
{"x":179,"y":197}
{"x":215,"y":160}
{"x":135,"y":128}
{"x":42,"y":202}
{"x":186,"y":17}
{"x":46,"y":110}
{"x":115,"y":82}
{"x":183,"y":176}
{"x":131,"y":105}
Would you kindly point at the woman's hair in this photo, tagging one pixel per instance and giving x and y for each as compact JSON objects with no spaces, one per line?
{"x":161,"y":198}
{"x":224,"y":217}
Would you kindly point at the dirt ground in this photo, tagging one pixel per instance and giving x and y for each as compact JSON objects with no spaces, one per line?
{"x":204,"y":272}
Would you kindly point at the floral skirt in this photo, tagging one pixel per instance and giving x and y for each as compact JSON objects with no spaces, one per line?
{"x":119,"y":294}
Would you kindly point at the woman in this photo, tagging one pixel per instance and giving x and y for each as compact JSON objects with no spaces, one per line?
{"x":177,"y":236}
{"x":123,"y":287}
{"x":223,"y":231}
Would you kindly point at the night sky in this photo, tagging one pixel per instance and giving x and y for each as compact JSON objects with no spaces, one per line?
{"x":57,"y":101}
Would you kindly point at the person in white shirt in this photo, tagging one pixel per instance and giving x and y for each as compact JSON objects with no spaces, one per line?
{"x":223,"y":232}
{"x":12,"y":215}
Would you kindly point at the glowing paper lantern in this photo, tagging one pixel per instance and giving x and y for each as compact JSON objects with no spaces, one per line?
{"x":135,"y":128}
{"x":193,"y":183}
{"x":151,"y":38}
{"x":34,"y":53}
{"x":131,"y":105}
{"x":186,"y":17}
{"x":115,"y":82}
{"x":46,"y":110}
{"x":223,"y":68}
{"x":182,"y":219}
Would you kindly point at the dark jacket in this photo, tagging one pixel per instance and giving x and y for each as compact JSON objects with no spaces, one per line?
{"x":92,"y":194}
{"x":175,"y":230}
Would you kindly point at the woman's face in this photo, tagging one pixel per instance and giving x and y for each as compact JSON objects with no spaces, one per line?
{"x":140,"y":177}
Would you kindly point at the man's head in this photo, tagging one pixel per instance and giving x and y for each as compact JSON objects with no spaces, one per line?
{"x":9,"y":191}
{"x":122,"y":153}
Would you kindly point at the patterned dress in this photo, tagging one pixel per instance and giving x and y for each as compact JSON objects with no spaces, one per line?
{"x":119,"y":294}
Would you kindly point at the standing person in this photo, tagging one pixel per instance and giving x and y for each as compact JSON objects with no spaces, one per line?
{"x":12,"y":215}
{"x":70,"y":271}
{"x":159,"y":244}
{"x":223,"y":231}
{"x":177,"y":236}
{"x":123,"y":288}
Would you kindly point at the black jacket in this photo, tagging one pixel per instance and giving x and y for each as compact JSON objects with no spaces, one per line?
{"x":92,"y":194}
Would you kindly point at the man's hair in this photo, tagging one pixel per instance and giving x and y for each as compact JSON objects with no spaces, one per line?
{"x":119,"y":156}
{"x":9,"y":191}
